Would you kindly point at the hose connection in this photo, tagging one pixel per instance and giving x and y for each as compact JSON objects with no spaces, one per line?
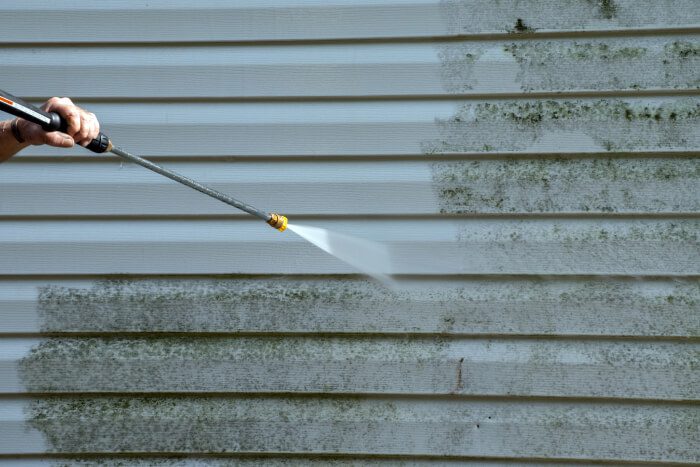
{"x":278,"y":221}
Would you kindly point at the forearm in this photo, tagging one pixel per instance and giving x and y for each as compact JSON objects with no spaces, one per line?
{"x":9,"y":146}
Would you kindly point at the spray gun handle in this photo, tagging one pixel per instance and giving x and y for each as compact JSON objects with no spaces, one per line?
{"x":49,"y":121}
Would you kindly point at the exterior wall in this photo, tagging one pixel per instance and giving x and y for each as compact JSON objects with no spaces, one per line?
{"x":534,"y":168}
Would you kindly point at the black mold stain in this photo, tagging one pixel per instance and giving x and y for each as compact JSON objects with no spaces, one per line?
{"x":520,"y":27}
{"x":606,"y":8}
{"x":683,"y":49}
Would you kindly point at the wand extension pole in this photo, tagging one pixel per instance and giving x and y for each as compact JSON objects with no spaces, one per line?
{"x":52,"y":121}
{"x":189,"y":182}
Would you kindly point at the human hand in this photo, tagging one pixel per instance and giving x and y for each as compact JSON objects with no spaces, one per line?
{"x":83,"y":126}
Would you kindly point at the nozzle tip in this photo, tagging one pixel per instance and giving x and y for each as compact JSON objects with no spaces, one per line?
{"x":278,"y":221}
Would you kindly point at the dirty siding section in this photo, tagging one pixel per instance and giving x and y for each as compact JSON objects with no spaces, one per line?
{"x":534,"y":168}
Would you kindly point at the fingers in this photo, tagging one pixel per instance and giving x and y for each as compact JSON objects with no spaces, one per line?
{"x":58,"y":139}
{"x":82,"y":128}
{"x":90,"y":128}
{"x":81,"y":135}
{"x":66,"y":109}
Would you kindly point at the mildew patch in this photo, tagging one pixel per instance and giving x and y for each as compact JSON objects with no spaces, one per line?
{"x":348,"y":306}
{"x":259,"y":349}
{"x":266,"y":364}
{"x":205,"y":425}
{"x":684,"y":50}
{"x":491,"y":306}
{"x":362,"y":366}
{"x":361,"y":426}
{"x":613,"y":64}
{"x":681,"y":231}
{"x":267,"y":461}
{"x":472,"y":16}
{"x":586,"y":246}
{"x":568,"y":185}
{"x":615,"y":125}
{"x":646,"y":63}
{"x":606,"y":8}
{"x":456,"y":66}
{"x":209,"y":305}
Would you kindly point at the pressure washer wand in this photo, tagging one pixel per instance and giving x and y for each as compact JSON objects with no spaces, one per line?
{"x":52,"y":121}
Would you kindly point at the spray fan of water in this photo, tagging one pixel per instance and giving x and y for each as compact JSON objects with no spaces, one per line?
{"x":371,"y":258}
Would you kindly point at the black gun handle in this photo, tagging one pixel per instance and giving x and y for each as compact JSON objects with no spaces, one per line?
{"x":99,"y":145}
{"x":49,"y":121}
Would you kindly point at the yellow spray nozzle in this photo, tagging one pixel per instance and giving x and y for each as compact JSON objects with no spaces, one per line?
{"x":278,"y":221}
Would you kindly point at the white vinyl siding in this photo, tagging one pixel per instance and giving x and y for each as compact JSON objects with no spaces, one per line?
{"x":532,"y":166}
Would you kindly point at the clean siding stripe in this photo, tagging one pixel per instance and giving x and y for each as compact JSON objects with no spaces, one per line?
{"x":213,"y":20}
{"x":541,"y":185}
{"x":401,"y":69}
{"x":413,"y":366}
{"x":399,"y":127}
{"x":514,"y":306}
{"x":527,"y":429}
{"x":437,"y":247}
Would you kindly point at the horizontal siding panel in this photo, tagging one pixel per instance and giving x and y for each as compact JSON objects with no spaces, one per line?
{"x":265,"y":461}
{"x":446,"y":246}
{"x":216,"y":20}
{"x":399,"y":128}
{"x":401,"y":69}
{"x":526,"y":429}
{"x":475,"y":367}
{"x":509,"y":306}
{"x":542,"y":185}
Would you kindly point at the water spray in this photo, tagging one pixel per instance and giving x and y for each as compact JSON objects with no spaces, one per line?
{"x":52,"y":121}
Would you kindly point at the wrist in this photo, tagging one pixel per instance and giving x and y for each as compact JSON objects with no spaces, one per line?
{"x":16,"y":132}
{"x":8,"y":143}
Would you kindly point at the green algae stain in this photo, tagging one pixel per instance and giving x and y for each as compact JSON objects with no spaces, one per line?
{"x":615,"y":125}
{"x":232,"y":364}
{"x":198,"y":424}
{"x":541,"y":53}
{"x":683,"y":50}
{"x":534,"y":112}
{"x":608,"y":65}
{"x":207,"y":305}
{"x":669,"y":232}
{"x":567,"y":185}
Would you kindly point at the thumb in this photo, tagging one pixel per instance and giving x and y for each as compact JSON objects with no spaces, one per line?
{"x":58,"y":139}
